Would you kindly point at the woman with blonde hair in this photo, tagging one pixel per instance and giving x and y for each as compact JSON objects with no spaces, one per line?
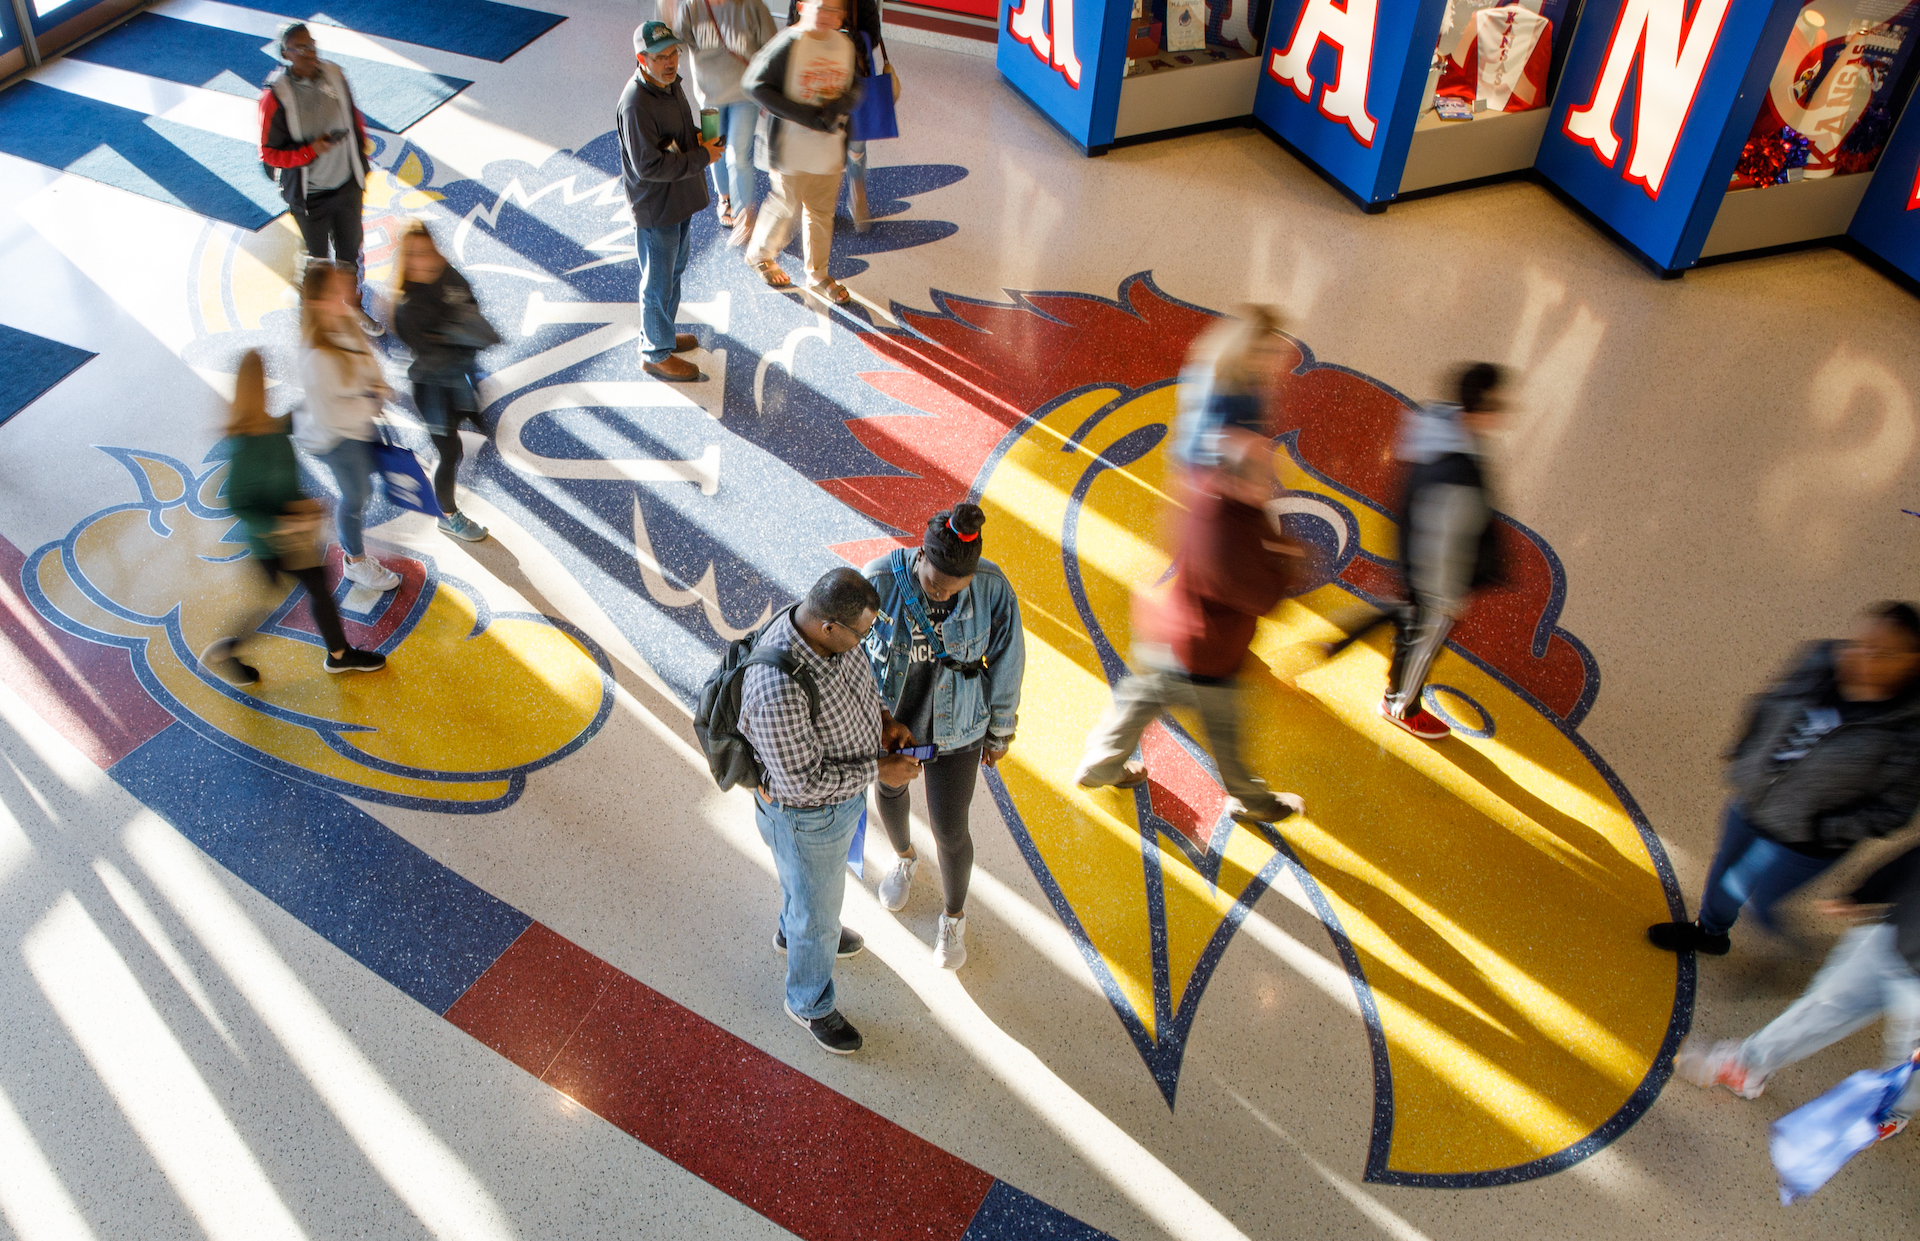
{"x":263,"y":487}
{"x":436,"y":317}
{"x":1230,"y":381}
{"x":344,"y":391}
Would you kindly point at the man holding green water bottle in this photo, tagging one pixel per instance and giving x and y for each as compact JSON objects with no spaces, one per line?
{"x":663,"y":165}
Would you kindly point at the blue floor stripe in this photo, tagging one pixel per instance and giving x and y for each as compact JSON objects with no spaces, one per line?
{"x":330,"y":864}
{"x":178,"y":164}
{"x":237,"y":63}
{"x":30,"y":365}
{"x":477,"y":28}
{"x":1011,"y":1215}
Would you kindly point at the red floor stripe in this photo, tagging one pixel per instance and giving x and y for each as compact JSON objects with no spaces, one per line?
{"x":806,"y":1157}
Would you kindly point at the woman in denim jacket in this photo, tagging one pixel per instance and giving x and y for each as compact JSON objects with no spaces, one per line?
{"x":949,"y":653}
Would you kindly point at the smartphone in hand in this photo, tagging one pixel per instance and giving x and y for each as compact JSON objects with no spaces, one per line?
{"x":920,"y":753}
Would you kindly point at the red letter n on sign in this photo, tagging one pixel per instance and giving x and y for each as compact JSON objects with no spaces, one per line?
{"x":1672,"y":52}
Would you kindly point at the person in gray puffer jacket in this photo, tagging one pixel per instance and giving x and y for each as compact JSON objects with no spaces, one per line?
{"x":1830,"y":756}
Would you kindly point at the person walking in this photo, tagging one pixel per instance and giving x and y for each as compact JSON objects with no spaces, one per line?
{"x":1830,"y":756}
{"x":1231,"y":567}
{"x":804,"y":79}
{"x":663,"y":165}
{"x":1872,"y":973}
{"x":870,"y":52}
{"x":1449,"y":542}
{"x":344,"y":395}
{"x":821,"y":736}
{"x":1231,"y":380}
{"x":263,"y":487}
{"x":314,"y":138}
{"x":724,"y":35}
{"x":949,"y":653}
{"x":438,"y":319}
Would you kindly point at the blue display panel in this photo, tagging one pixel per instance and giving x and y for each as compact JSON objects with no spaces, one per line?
{"x":1653,"y":109}
{"x":1067,"y":58}
{"x":1888,"y":221}
{"x":9,"y":30}
{"x":1343,"y":80}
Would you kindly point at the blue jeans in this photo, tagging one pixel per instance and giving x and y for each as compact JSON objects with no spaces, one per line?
{"x":663,"y":259}
{"x":856,"y":163}
{"x":733,"y":176}
{"x":1751,"y":870}
{"x":810,"y":853}
{"x":351,"y":463}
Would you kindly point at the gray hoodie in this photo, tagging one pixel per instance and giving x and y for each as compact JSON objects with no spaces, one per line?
{"x":1859,"y":781}
{"x":724,"y":35}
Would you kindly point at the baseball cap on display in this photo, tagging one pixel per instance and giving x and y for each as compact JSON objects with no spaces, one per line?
{"x":652,"y":38}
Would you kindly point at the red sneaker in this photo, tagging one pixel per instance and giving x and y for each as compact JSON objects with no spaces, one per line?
{"x":1889,"y":1127}
{"x":1423,"y":723}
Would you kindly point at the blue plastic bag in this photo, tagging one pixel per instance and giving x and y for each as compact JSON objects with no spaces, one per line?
{"x":407,"y":483}
{"x":1811,"y":1143}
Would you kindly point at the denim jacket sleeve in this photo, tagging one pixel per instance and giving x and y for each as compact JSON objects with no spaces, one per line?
{"x":1006,"y":657}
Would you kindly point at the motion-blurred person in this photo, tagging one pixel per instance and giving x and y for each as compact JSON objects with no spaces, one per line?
{"x":1870,"y":974}
{"x":313,"y":136}
{"x":1231,"y":567}
{"x":822,"y":736}
{"x":438,"y":319}
{"x":344,"y":395}
{"x":804,"y":79}
{"x":283,"y":527}
{"x":1449,"y":543}
{"x":724,"y":35}
{"x":949,"y":654}
{"x":1830,"y":756}
{"x":663,"y":165}
{"x":1231,"y":379}
{"x":870,"y":50}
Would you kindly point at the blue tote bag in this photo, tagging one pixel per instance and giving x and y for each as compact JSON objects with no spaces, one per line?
{"x":873,"y":116}
{"x":407,"y":484}
{"x":1811,"y":1143}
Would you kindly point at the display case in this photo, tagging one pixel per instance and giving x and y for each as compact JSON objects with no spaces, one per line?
{"x":1131,"y":70}
{"x":1654,"y":112}
{"x":1888,"y":220}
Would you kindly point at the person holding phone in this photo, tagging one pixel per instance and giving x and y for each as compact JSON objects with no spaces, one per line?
{"x":663,"y":166}
{"x":949,"y":653}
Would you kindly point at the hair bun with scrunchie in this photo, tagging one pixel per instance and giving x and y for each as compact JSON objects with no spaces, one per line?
{"x":952,"y":543}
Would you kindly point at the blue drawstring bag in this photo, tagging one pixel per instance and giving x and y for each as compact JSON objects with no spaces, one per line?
{"x":873,"y":116}
{"x":1811,"y":1143}
{"x":407,"y":484}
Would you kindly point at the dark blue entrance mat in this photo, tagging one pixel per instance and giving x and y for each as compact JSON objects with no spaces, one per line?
{"x":31,"y":365}
{"x":477,"y":28}
{"x":165,"y":160}
{"x":237,"y":63}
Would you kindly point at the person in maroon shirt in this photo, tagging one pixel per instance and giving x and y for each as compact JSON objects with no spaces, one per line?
{"x":1231,"y":567}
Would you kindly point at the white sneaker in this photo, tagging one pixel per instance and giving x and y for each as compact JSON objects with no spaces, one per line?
{"x":371,"y":574}
{"x":950,"y":944}
{"x":893,"y":888}
{"x":1717,"y":1065}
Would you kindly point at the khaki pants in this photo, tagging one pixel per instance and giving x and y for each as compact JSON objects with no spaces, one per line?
{"x":1155,"y":685}
{"x":809,"y":197}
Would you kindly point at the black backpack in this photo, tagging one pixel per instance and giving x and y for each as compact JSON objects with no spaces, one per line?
{"x":716,"y":720}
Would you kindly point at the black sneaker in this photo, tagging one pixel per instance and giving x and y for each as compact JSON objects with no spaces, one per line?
{"x":220,"y":660}
{"x":851,"y":942}
{"x":351,"y":660}
{"x":833,"y":1032}
{"x":1688,"y":937}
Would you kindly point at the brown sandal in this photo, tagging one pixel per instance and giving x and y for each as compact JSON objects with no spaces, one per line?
{"x":832,"y":290}
{"x":726,"y":212}
{"x":773,"y":274}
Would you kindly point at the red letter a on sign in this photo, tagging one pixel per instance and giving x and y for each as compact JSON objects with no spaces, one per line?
{"x":1348,"y":25}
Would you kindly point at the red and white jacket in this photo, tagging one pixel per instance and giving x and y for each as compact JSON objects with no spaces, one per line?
{"x":1502,"y":60}
{"x":280,"y":122}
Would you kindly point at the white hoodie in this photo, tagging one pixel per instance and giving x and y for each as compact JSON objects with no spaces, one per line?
{"x":344,"y":391}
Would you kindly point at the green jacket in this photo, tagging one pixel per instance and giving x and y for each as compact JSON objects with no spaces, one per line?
{"x":262,"y":481}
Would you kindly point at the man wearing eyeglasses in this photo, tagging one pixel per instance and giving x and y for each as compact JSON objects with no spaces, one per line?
{"x":819,"y":732}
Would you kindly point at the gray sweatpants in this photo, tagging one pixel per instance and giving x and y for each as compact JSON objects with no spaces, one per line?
{"x":1864,"y":978}
{"x":1156,"y":684}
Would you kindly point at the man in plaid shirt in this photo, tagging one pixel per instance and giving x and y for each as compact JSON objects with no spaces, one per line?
{"x":817,"y":773}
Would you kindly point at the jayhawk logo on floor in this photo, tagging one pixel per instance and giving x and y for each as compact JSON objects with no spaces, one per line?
{"x":1485,"y":895}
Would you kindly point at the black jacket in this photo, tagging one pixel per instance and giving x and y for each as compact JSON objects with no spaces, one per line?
{"x":1898,"y":884}
{"x":662,"y":164}
{"x":1860,"y":781}
{"x":1461,"y":541}
{"x":443,"y":326}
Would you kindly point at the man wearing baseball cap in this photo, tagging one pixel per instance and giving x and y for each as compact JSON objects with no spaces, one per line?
{"x":663,"y":164}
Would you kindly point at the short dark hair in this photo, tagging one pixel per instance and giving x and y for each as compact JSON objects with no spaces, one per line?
{"x":1475,"y":381}
{"x":841,"y":596}
{"x":1901,"y":616}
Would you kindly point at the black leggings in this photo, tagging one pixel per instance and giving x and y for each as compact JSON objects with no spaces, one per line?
{"x":442,"y":406}
{"x":326,"y":617}
{"x":330,"y":220}
{"x":949,"y":779}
